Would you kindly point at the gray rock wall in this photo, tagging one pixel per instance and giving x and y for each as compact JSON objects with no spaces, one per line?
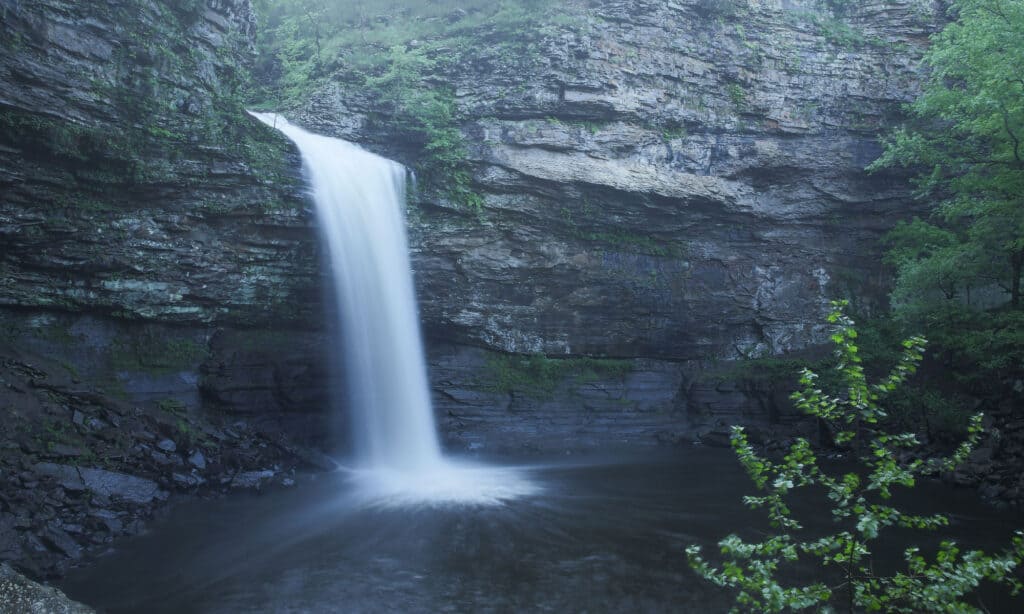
{"x":663,"y":184}
{"x":132,"y":183}
{"x":141,"y":211}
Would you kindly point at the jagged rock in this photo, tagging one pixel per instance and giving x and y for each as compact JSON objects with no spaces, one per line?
{"x":716,"y":439}
{"x":10,"y":546}
{"x":88,"y":237}
{"x":55,"y":536}
{"x":251,"y":479}
{"x":608,"y":231}
{"x":657,"y":185}
{"x":64,"y":451}
{"x":162,"y":459}
{"x":19,"y":595}
{"x":187,"y":480}
{"x":110,"y":519}
{"x":197,"y":460}
{"x":107,"y":483}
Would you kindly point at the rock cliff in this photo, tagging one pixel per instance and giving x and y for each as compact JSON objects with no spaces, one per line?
{"x":666,"y":188}
{"x":143,"y":220}
{"x":135,"y":189}
{"x":661,"y":181}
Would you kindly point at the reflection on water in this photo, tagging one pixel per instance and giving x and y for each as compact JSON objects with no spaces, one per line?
{"x":599,"y":537}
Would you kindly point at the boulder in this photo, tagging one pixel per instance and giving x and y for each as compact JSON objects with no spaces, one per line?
{"x":108,"y":483}
{"x":19,"y":595}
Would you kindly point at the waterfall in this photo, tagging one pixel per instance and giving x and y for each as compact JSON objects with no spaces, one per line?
{"x":359,"y":199}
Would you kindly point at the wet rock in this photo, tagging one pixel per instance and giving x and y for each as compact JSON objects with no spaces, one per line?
{"x":136,"y":261}
{"x":56,"y":537}
{"x":716,"y":438}
{"x":992,"y":491}
{"x":108,"y":483}
{"x":67,"y":476}
{"x":197,"y":460}
{"x":10,"y":542}
{"x":63,"y":450}
{"x":19,"y":595}
{"x":184,"y":480}
{"x":162,"y":459}
{"x":167,"y":445}
{"x":251,"y":479}
{"x":673,"y":438}
{"x":316,"y":459}
{"x":109,"y":518}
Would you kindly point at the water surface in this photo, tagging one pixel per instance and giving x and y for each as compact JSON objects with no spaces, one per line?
{"x":597,"y":537}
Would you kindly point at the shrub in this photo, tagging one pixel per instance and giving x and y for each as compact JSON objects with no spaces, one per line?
{"x":860,"y":506}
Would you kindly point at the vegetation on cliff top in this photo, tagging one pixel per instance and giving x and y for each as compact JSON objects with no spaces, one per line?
{"x":173,"y":105}
{"x":392,"y":52}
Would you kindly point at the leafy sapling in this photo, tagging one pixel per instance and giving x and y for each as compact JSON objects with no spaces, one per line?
{"x":860,"y":505}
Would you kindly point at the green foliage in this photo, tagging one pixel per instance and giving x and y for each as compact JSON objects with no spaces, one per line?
{"x":672,"y":133}
{"x":539,"y":376}
{"x":860,"y":505}
{"x":425,"y":115}
{"x":395,"y":53}
{"x":830,"y":24}
{"x":171,"y":406}
{"x":150,"y":351}
{"x":737,"y":95}
{"x":718,"y":9}
{"x":964,"y":141}
{"x":959,"y":272}
{"x":941,"y":416}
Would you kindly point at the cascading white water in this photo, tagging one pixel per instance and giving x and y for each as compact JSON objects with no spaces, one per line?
{"x":359,"y":198}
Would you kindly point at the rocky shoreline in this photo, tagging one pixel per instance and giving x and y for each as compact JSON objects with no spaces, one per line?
{"x":81,"y":468}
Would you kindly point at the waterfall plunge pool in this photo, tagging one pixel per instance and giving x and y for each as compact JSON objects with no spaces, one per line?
{"x":597,"y":537}
{"x":410,"y":530}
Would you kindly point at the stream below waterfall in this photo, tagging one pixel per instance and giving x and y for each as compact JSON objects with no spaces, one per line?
{"x":596,"y":537}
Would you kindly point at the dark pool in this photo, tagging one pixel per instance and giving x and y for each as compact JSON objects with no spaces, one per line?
{"x":601,"y":537}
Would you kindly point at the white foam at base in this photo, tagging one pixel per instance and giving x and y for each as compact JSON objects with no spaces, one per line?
{"x":447,"y":483}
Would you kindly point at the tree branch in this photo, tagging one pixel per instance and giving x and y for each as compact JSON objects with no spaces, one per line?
{"x":1013,"y":136}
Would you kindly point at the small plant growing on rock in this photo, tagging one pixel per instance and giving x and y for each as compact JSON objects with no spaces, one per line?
{"x":860,"y":506}
{"x":719,"y":8}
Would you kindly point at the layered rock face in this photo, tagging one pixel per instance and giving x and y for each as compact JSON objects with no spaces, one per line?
{"x":661,"y":180}
{"x":675,"y":185}
{"x":125,"y":189}
{"x":144,"y":219}
{"x":134,"y":188}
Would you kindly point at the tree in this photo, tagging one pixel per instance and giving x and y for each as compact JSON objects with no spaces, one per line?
{"x":965,"y":139}
{"x":860,"y":506}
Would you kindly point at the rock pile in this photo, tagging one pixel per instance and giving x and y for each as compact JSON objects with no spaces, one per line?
{"x":80,"y":467}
